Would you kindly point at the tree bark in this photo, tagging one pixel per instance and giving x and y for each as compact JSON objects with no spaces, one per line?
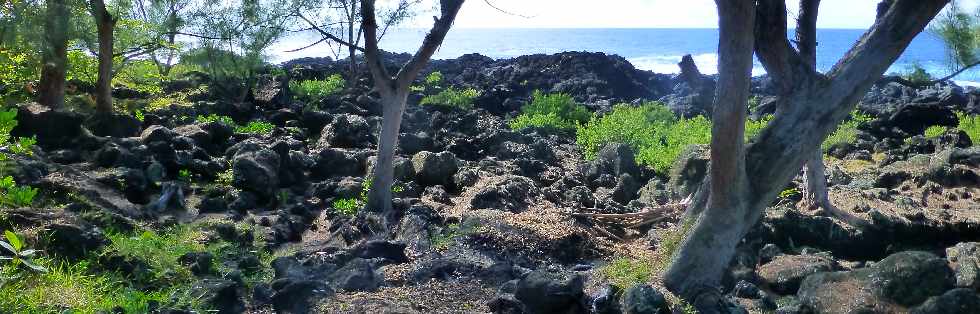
{"x":105,"y":23}
{"x":815,"y":193}
{"x":776,"y":155}
{"x":394,"y":91}
{"x":54,"y":68}
{"x":696,"y":271}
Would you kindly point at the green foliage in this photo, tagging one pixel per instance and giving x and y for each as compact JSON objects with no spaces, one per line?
{"x":442,"y":240}
{"x":917,"y":74}
{"x":625,"y":272}
{"x":554,"y":111}
{"x":847,"y":131}
{"x":18,"y":254}
{"x":934,"y":131}
{"x":17,"y":70}
{"x":138,"y":114}
{"x":347,"y":206}
{"x":160,"y":250}
{"x":754,"y":127}
{"x":215,"y":118}
{"x":452,"y":97}
{"x":82,"y":67}
{"x":788,"y":193}
{"x":970,"y":124}
{"x":255,"y":127}
{"x":314,"y":90}
{"x":140,"y":75}
{"x":12,"y":195}
{"x":184,"y":175}
{"x":433,"y":79}
{"x":959,"y":32}
{"x":225,"y":177}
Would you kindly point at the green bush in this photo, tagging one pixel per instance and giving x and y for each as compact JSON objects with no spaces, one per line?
{"x":215,"y":118}
{"x":934,"y":131}
{"x":433,"y":79}
{"x":314,"y":90}
{"x":452,"y":97}
{"x":553,"y":111}
{"x":917,"y":74}
{"x":846,"y":132}
{"x":255,"y":127}
{"x":970,"y":124}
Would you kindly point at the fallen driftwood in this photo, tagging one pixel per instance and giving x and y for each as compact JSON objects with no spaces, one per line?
{"x":610,"y":224}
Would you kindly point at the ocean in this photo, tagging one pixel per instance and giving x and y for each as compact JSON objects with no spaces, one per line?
{"x":654,"y":49}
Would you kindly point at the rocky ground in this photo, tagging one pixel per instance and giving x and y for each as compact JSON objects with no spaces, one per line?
{"x":491,"y":219}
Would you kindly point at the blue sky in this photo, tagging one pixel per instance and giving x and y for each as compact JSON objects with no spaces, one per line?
{"x":639,"y":13}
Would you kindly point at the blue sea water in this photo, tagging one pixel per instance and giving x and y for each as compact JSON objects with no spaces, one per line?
{"x":655,"y":49}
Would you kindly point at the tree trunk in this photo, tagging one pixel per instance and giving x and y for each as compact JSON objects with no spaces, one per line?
{"x":54,"y":68}
{"x":105,"y":24}
{"x":379,"y":197}
{"x":815,"y":193}
{"x":820,"y":102}
{"x":696,"y":270}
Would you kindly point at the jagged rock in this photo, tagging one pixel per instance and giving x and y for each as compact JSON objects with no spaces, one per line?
{"x":953,"y":301}
{"x":785,"y":272}
{"x":331,"y":162}
{"x":404,"y":170}
{"x":964,"y":259}
{"x":157,"y":133}
{"x":626,"y":188}
{"x":200,"y":263}
{"x":114,"y":125}
{"x":613,"y":160}
{"x":347,"y":131}
{"x":902,"y":279}
{"x":607,"y":301}
{"x":357,"y":275}
{"x":51,"y":127}
{"x":72,"y":241}
{"x":256,"y":172}
{"x":224,"y":296}
{"x":690,"y":168}
{"x":543,"y":292}
{"x":644,"y":299}
{"x":435,"y":168}
{"x":511,"y":194}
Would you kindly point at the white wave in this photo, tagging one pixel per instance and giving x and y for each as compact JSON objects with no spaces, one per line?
{"x":707,"y":63}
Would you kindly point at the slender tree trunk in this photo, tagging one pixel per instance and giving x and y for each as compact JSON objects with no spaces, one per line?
{"x":379,"y":197}
{"x":352,"y":49}
{"x":697,"y":268}
{"x":105,"y":24}
{"x":815,"y":193}
{"x":54,"y":68}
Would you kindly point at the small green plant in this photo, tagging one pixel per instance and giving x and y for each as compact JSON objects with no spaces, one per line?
{"x":625,"y":272}
{"x":215,"y":118}
{"x":225,"y":177}
{"x":934,"y":131}
{"x":350,"y":206}
{"x":553,"y":111}
{"x":846,"y":132}
{"x":442,"y":240}
{"x":255,"y":127}
{"x":788,"y":193}
{"x":18,"y":254}
{"x":452,"y":97}
{"x":138,"y":114}
{"x":917,"y":74}
{"x":184,"y":175}
{"x":969,"y":124}
{"x":314,"y":90}
{"x":433,"y":79}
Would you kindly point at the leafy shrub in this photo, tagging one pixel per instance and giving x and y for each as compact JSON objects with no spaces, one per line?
{"x":11,"y":194}
{"x":970,"y":124}
{"x":82,"y":67}
{"x":433,"y":79}
{"x":215,"y":118}
{"x":625,"y":272}
{"x":314,"y":90}
{"x":554,"y":111}
{"x":140,"y":75}
{"x":452,"y":97}
{"x":18,"y":254}
{"x":846,"y":132}
{"x":347,"y":206}
{"x":255,"y":127}
{"x":934,"y":131}
{"x":917,"y":74}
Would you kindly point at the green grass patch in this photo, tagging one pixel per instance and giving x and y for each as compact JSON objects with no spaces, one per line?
{"x":452,"y":97}
{"x":626,"y":272}
{"x":846,"y":132}
{"x":969,"y":124}
{"x":314,"y":90}
{"x":551,"y":111}
{"x":255,"y":127}
{"x":161,"y":250}
{"x":934,"y":131}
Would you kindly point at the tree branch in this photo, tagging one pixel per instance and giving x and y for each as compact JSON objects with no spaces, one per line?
{"x":783,"y":63}
{"x":326,"y":34}
{"x":432,"y":41}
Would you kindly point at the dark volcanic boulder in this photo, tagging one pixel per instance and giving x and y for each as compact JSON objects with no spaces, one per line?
{"x":954,"y":301}
{"x":357,"y":275}
{"x":157,"y":133}
{"x":72,"y":241}
{"x":613,"y":160}
{"x":644,"y":299}
{"x":51,"y":127}
{"x":224,"y":296}
{"x":900,"y":280}
{"x":544,"y":292}
{"x":257,"y":172}
{"x":912,"y":119}
{"x":690,"y":168}
{"x":512,"y":194}
{"x":115,"y":125}
{"x":965,"y":260}
{"x":347,"y":131}
{"x":785,"y":272}
{"x":435,"y":168}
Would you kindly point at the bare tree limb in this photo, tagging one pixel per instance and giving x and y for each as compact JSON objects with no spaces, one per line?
{"x":449,"y":9}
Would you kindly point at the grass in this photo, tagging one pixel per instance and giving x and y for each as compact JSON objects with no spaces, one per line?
{"x":72,"y":288}
{"x":314,"y":90}
{"x":969,"y":124}
{"x":626,"y":272}
{"x":934,"y":131}
{"x":253,"y":127}
{"x":452,"y":97}
{"x":442,"y":240}
{"x":846,"y":132}
{"x":551,"y":111}
{"x":669,"y":244}
{"x":161,"y":250}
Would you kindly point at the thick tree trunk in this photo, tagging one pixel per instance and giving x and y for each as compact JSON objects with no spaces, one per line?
{"x":54,"y":68}
{"x":777,"y":154}
{"x":103,"y":86}
{"x":697,"y":268}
